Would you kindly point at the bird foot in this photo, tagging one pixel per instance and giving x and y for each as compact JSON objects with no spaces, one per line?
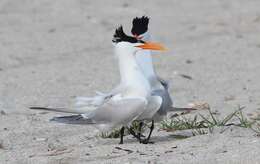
{"x":146,"y":141}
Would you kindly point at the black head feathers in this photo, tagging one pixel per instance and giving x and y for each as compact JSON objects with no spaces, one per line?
{"x":120,"y":36}
{"x":140,"y":25}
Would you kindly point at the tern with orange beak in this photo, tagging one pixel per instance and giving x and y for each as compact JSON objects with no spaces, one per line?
{"x":144,"y":60}
{"x":159,"y":86}
{"x":133,"y":98}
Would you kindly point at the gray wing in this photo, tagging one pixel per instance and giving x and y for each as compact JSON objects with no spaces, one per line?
{"x":154,"y":104}
{"x":116,"y":113}
{"x":109,"y":115}
{"x":166,"y":100}
{"x":97,"y":100}
{"x":165,"y":93}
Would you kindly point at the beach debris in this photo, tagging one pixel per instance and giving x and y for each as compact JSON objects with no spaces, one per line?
{"x":52,"y":30}
{"x":2,"y":112}
{"x":1,"y":144}
{"x":179,"y":114}
{"x":40,"y":139}
{"x":59,"y":152}
{"x":257,"y":19}
{"x":127,"y":150}
{"x":181,"y":111}
{"x":125,"y":5}
{"x":254,"y":116}
{"x":174,"y":115}
{"x":199,"y":105}
{"x":229,"y":98}
{"x":140,"y":153}
{"x":43,"y":112}
{"x":188,"y":61}
{"x":186,"y":76}
{"x":55,"y":152}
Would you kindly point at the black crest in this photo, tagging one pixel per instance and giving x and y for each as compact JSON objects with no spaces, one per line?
{"x":120,"y":36}
{"x":140,"y":25}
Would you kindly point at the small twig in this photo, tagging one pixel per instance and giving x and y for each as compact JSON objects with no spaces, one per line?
{"x":2,"y":112}
{"x":127,"y":150}
{"x":186,"y":76}
{"x":1,"y":146}
{"x":55,"y":152}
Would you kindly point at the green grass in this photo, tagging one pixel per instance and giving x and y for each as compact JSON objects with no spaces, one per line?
{"x":256,"y":128}
{"x":116,"y":132}
{"x":206,"y":124}
{"x":184,"y":123}
{"x":199,"y":124}
{"x":243,"y":121}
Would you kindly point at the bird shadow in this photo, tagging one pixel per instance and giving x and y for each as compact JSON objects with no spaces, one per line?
{"x":154,"y":139}
{"x":170,"y":137}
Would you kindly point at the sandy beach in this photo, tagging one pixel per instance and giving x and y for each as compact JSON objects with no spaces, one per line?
{"x":52,"y":51}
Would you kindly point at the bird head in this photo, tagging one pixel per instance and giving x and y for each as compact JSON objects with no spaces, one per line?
{"x":132,"y":43}
{"x":140,"y":27}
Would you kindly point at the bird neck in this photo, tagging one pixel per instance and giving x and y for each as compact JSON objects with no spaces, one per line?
{"x":144,"y":60}
{"x":130,"y":72}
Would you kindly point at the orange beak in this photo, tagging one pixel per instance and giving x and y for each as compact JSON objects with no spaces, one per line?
{"x":152,"y":46}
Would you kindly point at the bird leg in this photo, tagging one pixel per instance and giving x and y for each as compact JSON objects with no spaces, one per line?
{"x":146,"y":141}
{"x":122,"y":135}
{"x":132,"y":132}
{"x":140,"y":130}
{"x":139,"y":135}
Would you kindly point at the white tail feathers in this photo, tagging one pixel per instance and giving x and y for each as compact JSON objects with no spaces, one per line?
{"x":96,"y":101}
{"x":81,"y":105}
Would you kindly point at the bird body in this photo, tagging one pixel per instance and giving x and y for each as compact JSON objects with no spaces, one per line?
{"x":141,"y":95}
{"x":159,"y":86}
{"x":133,"y":99}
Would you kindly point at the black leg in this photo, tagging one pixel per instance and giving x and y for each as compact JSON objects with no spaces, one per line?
{"x":122,"y":130}
{"x":140,"y":130}
{"x":146,"y":141}
{"x":132,"y":132}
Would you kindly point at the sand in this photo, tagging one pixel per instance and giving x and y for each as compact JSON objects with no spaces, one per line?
{"x":52,"y":51}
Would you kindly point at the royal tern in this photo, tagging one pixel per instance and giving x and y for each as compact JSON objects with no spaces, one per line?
{"x":144,"y":60}
{"x":159,"y":87}
{"x":133,"y":99}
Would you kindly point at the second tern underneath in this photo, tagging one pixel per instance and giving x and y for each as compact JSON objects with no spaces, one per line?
{"x":159,"y":86}
{"x":134,"y":96}
{"x":141,"y":94}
